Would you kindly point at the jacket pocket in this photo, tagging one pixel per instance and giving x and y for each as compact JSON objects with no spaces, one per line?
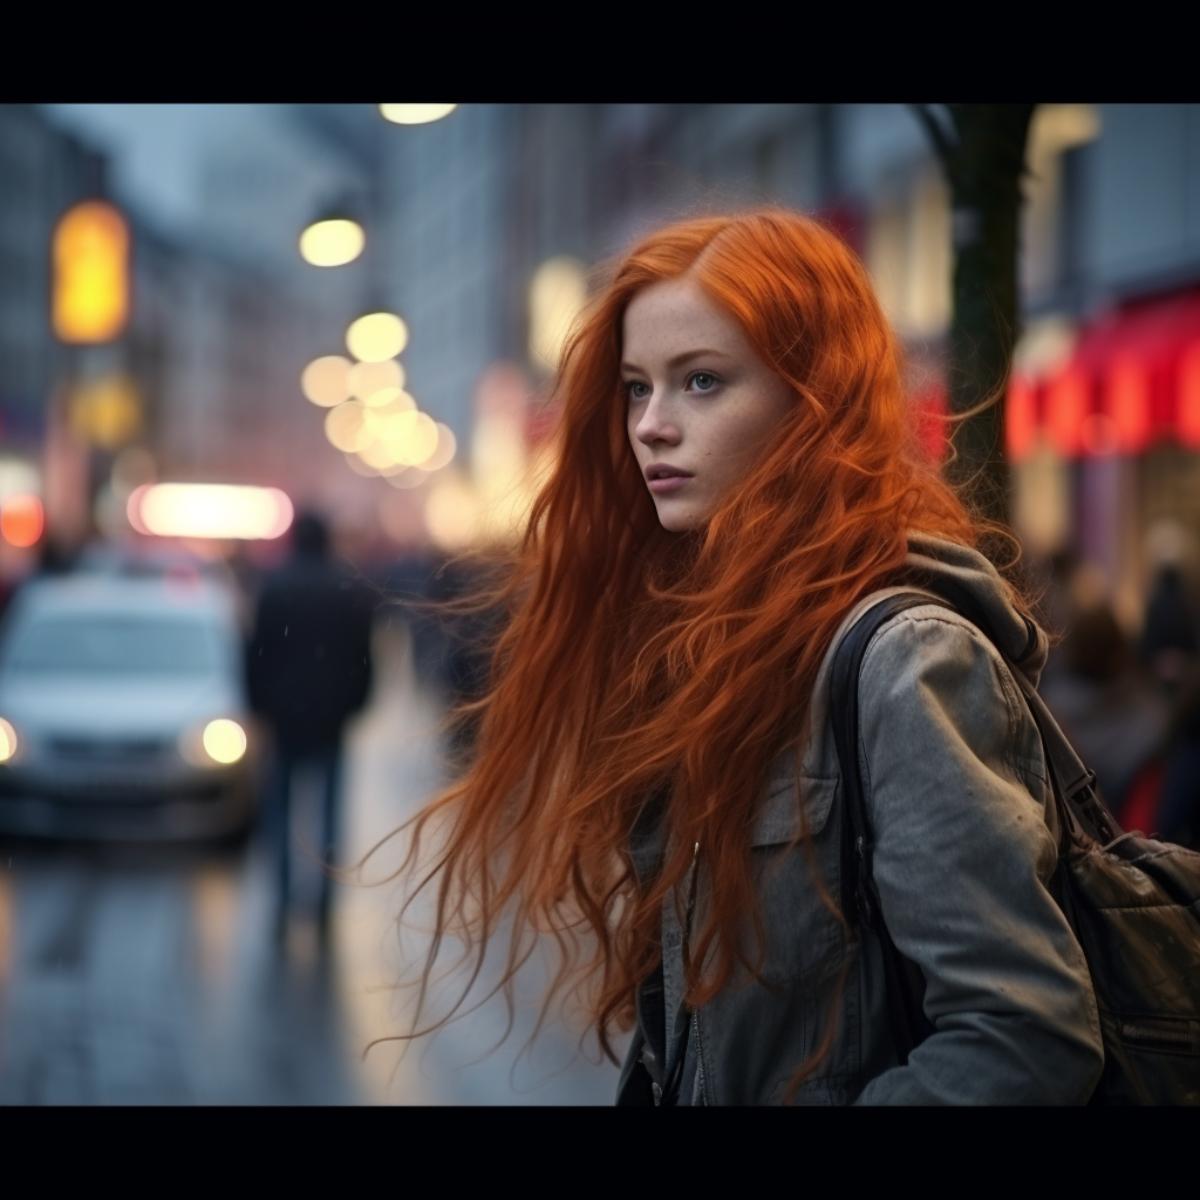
{"x":802,"y":937}
{"x":781,"y":816}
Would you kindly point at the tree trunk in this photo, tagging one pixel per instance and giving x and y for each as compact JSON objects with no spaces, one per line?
{"x":983,"y":155}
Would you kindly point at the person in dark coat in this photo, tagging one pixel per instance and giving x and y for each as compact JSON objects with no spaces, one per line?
{"x":309,"y":671}
{"x":1170,"y":639}
{"x":1106,"y":704}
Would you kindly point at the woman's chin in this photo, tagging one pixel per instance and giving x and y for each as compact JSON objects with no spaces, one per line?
{"x":677,"y":518}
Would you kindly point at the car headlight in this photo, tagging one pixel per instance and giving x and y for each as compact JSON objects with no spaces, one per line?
{"x":8,"y":742}
{"x":217,"y":743}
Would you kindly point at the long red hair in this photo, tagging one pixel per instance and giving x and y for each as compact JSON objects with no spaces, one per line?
{"x":633,"y":661}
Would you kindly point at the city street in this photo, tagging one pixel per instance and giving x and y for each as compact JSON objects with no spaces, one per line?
{"x":148,"y":975}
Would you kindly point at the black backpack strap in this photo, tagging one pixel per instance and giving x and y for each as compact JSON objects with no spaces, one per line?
{"x":1074,"y":804}
{"x":860,"y":898}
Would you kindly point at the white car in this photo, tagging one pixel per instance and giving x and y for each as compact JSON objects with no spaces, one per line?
{"x":123,"y":711}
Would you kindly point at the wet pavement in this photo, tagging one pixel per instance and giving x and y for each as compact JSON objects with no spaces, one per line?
{"x":149,"y":975}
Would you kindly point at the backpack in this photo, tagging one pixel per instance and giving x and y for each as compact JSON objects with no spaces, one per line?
{"x":1133,"y":903}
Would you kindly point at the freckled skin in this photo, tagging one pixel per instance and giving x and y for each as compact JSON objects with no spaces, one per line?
{"x":714,"y":415}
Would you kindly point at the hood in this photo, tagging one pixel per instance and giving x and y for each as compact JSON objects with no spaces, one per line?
{"x":969,"y":580}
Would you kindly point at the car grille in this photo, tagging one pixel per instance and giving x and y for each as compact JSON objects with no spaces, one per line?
{"x":126,"y":751}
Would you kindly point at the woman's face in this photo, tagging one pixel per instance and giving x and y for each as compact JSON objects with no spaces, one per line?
{"x":698,"y":399}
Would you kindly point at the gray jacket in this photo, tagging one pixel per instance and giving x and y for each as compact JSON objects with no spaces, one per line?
{"x":957,"y":792}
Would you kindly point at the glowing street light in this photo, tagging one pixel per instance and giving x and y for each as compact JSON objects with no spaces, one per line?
{"x":326,"y":381}
{"x":209,"y":510}
{"x":415,"y":114}
{"x":365,"y":379}
{"x":332,"y":243}
{"x":377,"y":337}
{"x":557,"y":293}
{"x":90,"y":288}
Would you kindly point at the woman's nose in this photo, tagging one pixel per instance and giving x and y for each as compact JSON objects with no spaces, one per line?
{"x":656,"y":423}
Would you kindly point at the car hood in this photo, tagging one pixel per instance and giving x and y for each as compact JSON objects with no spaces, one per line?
{"x":97,"y":707}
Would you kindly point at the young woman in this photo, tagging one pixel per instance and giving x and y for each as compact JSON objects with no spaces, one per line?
{"x":655,"y":785}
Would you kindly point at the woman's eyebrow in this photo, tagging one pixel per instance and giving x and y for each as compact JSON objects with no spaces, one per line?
{"x":678,"y":360}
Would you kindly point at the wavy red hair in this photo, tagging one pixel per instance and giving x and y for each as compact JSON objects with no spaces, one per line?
{"x":633,"y":660}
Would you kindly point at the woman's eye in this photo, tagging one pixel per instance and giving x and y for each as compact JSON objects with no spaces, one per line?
{"x":700,"y":375}
{"x":633,"y":383}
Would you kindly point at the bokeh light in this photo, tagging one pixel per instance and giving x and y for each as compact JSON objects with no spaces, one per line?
{"x":8,"y":741}
{"x":415,"y":114}
{"x":326,"y":381}
{"x":378,"y":456}
{"x":376,"y":337}
{"x":22,"y":520}
{"x":365,"y":379}
{"x":392,"y":399}
{"x":90,"y":293}
{"x":410,"y":436}
{"x":557,"y":293}
{"x":452,"y":512}
{"x":345,"y":427}
{"x":332,"y":243}
{"x":443,"y":452}
{"x":224,"y":741}
{"x":106,"y":410}
{"x":210,"y":510}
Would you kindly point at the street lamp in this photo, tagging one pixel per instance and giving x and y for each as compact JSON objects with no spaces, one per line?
{"x":334,"y":238}
{"x":90,"y":293}
{"x":415,"y":114}
{"x":377,"y":336}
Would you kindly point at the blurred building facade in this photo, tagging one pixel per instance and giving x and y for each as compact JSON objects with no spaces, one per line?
{"x":202,"y":383}
{"x":44,"y":170}
{"x":1106,"y":379}
{"x":485,"y":230}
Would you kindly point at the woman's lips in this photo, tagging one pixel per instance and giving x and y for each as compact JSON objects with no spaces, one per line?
{"x":672,"y":483}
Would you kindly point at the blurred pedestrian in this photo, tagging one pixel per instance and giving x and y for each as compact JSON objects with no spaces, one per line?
{"x":1169,"y":644}
{"x":1106,"y":704}
{"x":309,"y":670}
{"x":1178,"y":810}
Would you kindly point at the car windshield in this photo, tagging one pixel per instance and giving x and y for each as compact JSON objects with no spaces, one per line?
{"x":117,"y":645}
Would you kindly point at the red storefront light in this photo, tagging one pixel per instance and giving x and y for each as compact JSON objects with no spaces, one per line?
{"x":1020,"y":417}
{"x":1068,"y":402}
{"x":1133,"y":380}
{"x":1127,"y":402}
{"x":1187,"y":417}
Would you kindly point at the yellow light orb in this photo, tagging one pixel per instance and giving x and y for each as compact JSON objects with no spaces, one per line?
{"x":415,"y":114}
{"x":332,"y":243}
{"x":412,"y":437}
{"x":359,"y":467}
{"x":364,"y":379}
{"x":224,"y":741}
{"x":452,"y":513}
{"x":378,"y":455}
{"x":377,"y":337}
{"x":390,"y":399}
{"x":325,"y":381}
{"x":345,"y":427}
{"x":8,"y":741}
{"x":443,"y":452}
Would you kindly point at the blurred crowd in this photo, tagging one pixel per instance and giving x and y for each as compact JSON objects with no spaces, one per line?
{"x":1129,"y":699}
